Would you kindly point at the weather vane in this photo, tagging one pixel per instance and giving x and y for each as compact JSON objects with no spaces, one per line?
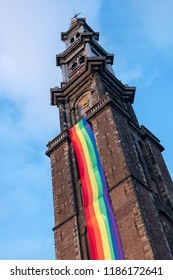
{"x":75,"y":15}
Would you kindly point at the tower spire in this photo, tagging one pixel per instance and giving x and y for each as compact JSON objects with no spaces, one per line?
{"x":137,"y":184}
{"x":75,"y":15}
{"x":74,"y":19}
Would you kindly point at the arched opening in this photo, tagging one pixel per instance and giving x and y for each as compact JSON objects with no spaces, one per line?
{"x":77,"y":35}
{"x":81,"y":59}
{"x":72,"y":40}
{"x":74,"y":66}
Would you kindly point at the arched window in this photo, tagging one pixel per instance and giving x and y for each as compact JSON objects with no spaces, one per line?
{"x":74,"y":66}
{"x":77,"y":35}
{"x":81,"y":59}
{"x":72,"y":40}
{"x":168,"y":228}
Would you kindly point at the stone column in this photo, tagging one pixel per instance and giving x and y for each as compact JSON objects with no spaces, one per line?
{"x":73,"y":117}
{"x":109,"y":67}
{"x":62,"y":114}
{"x":88,"y":50}
{"x":64,"y":73}
{"x":99,"y":87}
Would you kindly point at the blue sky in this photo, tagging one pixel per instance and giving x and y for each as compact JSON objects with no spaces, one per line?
{"x":139,"y":33}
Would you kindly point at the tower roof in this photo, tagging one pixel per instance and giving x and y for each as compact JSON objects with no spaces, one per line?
{"x":74,"y":25}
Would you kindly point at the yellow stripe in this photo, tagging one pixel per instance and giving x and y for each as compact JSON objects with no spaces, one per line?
{"x":98,"y":214}
{"x":103,"y":231}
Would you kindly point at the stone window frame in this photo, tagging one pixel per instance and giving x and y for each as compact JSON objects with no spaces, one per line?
{"x":76,"y":62}
{"x":74,"y":37}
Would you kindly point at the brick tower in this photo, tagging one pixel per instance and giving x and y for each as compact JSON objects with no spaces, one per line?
{"x":139,"y":183}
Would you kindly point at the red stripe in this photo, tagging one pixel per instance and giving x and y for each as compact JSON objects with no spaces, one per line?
{"x":94,"y":234}
{"x":87,"y":191}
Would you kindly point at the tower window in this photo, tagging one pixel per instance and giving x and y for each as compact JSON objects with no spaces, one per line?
{"x":74,"y":65}
{"x":81,"y":59}
{"x":72,"y":40}
{"x":77,"y":35}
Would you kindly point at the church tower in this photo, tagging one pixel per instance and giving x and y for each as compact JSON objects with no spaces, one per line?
{"x":139,"y":185}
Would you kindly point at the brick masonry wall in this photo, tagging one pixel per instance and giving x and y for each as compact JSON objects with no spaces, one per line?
{"x":67,"y":245}
{"x":131,"y":190}
{"x":160,"y":171}
{"x":63,"y":193}
{"x":66,"y":228}
{"x":109,"y":146}
{"x":168,"y":229}
{"x":134,"y":237}
{"x":153,"y":223}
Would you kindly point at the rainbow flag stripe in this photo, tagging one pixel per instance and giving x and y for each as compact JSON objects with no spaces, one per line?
{"x":103,"y":235}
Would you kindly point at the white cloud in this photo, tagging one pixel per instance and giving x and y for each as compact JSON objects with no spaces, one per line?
{"x":29,"y":43}
{"x":30,"y":40}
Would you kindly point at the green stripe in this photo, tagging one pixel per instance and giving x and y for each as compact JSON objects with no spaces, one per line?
{"x":107,"y":225}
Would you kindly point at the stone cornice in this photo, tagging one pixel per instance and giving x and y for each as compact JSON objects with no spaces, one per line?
{"x":64,"y":221}
{"x":56,"y":141}
{"x":85,"y":37}
{"x":144,"y":133}
{"x":68,"y":88}
{"x":147,"y":134}
{"x":63,"y":54}
{"x":102,"y":103}
{"x":90,"y":113}
{"x":91,"y":65}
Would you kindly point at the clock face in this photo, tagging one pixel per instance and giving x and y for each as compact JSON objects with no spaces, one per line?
{"x":84,"y":104}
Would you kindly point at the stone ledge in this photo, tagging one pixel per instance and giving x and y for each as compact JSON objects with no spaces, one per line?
{"x":56,"y":141}
{"x":61,"y":55}
{"x":64,"y":221}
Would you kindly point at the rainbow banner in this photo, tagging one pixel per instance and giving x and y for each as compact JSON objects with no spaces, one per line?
{"x":103,"y":235}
